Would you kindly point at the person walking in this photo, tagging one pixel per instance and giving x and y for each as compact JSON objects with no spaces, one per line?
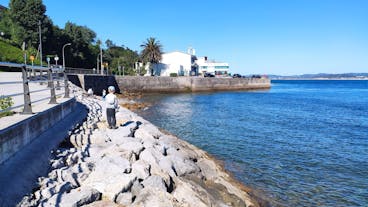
{"x":111,"y":106}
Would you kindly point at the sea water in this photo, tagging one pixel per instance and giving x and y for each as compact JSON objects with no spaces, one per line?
{"x":301,"y":143}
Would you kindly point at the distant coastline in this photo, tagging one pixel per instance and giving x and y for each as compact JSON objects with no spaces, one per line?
{"x":322,"y":76}
{"x":364,"y":78}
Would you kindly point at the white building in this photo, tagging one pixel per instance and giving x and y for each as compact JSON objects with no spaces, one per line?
{"x":213,"y":67}
{"x":185,"y":64}
{"x":175,"y":62}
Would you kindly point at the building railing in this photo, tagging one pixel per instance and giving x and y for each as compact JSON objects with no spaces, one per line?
{"x":36,"y":74}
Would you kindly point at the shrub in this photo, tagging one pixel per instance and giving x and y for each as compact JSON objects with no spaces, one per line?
{"x":173,"y":75}
{"x":5,"y":102}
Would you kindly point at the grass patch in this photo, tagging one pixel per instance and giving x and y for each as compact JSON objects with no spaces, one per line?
{"x":6,"y":113}
{"x":9,"y":53}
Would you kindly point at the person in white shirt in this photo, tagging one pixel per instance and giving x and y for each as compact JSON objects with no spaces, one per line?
{"x":111,"y":105}
{"x":90,"y":92}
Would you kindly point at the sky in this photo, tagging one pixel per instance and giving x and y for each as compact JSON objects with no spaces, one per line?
{"x":283,"y":37}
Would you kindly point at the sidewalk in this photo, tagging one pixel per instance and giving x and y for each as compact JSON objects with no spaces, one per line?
{"x":7,"y":89}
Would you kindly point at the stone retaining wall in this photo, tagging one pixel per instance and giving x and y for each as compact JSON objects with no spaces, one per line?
{"x":189,"y":84}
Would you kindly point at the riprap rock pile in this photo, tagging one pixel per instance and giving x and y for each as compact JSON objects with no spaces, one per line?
{"x":134,"y":165}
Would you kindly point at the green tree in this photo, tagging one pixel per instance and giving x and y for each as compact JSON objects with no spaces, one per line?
{"x":123,"y":57}
{"x":152,"y":52}
{"x":83,"y":50}
{"x":5,"y":24}
{"x":26,"y":15}
{"x":109,"y":43}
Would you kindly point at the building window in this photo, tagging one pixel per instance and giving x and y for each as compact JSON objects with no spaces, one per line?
{"x":222,"y":67}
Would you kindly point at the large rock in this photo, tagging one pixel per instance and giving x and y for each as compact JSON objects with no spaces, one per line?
{"x":192,"y":194}
{"x":109,"y":177}
{"x":209,"y":169}
{"x":136,"y":188}
{"x":55,"y":193}
{"x":167,"y":166}
{"x":184,"y":166}
{"x":155,"y":182}
{"x":80,"y":196}
{"x":141,"y":169}
{"x":104,"y":203}
{"x":152,"y":197}
{"x":53,"y":187}
{"x":118,"y":133}
{"x":136,"y":147}
{"x":148,"y":131}
{"x":125,"y":198}
{"x":151,"y":155}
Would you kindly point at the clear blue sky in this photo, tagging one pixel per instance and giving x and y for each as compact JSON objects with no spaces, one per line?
{"x":254,"y":36}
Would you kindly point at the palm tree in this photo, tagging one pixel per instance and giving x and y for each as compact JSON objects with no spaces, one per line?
{"x":152,"y":51}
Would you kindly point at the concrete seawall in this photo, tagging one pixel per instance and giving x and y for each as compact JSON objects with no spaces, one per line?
{"x":189,"y":84}
{"x":15,"y":137}
{"x":149,"y":84}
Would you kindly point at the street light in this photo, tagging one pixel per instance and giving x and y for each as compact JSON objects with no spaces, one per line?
{"x":67,"y":44}
{"x":65,"y":76}
{"x":102,"y":67}
{"x":98,"y":65}
{"x":56,"y":58}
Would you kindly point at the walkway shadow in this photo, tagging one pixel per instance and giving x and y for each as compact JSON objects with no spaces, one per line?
{"x":20,"y":173}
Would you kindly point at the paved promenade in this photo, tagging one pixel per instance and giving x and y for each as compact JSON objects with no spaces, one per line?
{"x":7,"y":89}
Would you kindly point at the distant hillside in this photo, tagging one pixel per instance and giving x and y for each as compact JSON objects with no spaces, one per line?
{"x":323,"y":76}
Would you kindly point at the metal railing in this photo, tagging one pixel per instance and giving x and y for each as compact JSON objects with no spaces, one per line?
{"x":70,"y":70}
{"x":36,"y":74}
{"x":92,"y":71}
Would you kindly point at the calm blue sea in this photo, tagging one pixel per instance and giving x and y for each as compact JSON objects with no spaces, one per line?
{"x":301,"y":143}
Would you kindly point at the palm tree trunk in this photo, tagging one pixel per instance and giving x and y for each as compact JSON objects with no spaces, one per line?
{"x":152,"y":69}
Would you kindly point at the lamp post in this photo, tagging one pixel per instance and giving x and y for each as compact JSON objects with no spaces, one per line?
{"x":67,"y":44}
{"x":40,"y":37}
{"x":66,"y":95}
{"x":56,"y":58}
{"x":101,"y":63}
{"x":98,"y":65}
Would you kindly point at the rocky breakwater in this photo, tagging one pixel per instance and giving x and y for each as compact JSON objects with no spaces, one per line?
{"x":134,"y":165}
